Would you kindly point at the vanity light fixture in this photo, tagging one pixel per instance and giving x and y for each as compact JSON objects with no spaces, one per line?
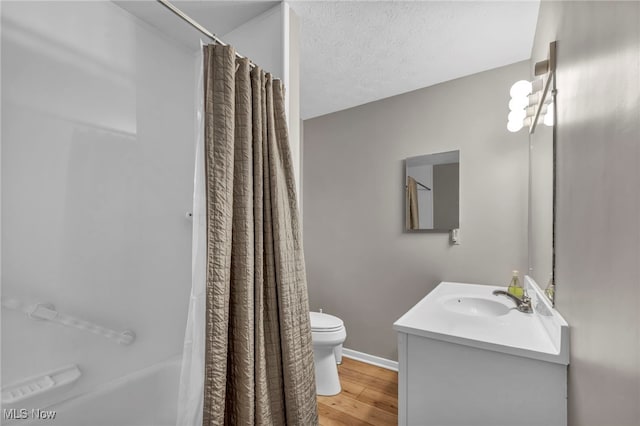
{"x":529,"y":101}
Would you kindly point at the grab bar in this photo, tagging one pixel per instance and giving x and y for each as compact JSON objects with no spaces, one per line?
{"x":36,"y":388}
{"x":47,"y":312}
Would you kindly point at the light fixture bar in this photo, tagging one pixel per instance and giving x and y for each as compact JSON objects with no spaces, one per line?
{"x":550,"y":66}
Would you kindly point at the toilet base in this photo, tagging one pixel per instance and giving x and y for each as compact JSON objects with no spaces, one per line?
{"x":327,"y":380}
{"x":338,"y":353}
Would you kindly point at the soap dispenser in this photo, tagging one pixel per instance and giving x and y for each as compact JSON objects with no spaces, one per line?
{"x":515,"y":288}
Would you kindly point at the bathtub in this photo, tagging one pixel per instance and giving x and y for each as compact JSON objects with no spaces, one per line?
{"x":145,"y":398}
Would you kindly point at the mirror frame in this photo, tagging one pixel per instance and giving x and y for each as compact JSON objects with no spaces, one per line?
{"x":547,"y":67}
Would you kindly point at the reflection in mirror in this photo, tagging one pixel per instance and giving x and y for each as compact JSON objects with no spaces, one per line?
{"x":432,"y":185}
{"x":541,"y":169}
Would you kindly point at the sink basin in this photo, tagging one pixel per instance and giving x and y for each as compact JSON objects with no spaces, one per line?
{"x":470,"y":315}
{"x":463,"y":343}
{"x":475,"y":306}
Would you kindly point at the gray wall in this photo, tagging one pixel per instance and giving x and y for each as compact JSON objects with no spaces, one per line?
{"x":541,"y":204}
{"x":598,"y":210}
{"x":446,"y":195}
{"x":361,"y":265}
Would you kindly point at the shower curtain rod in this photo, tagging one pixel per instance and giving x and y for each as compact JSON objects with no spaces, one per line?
{"x":426,"y":188}
{"x":198,"y":27}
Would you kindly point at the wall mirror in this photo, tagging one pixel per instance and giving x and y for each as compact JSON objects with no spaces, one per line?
{"x":432,"y":188}
{"x":541,"y":198}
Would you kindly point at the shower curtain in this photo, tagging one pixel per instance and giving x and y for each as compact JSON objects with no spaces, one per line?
{"x":248,"y":355}
{"x":412,"y":220}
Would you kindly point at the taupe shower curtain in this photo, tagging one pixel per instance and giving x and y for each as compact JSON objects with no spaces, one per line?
{"x":259,"y":358}
{"x":412,"y":219}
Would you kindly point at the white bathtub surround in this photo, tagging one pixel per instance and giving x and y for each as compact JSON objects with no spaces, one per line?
{"x":94,"y":163}
{"x":37,"y":391}
{"x":47,"y":312}
{"x":146,"y":397}
{"x":463,"y":346}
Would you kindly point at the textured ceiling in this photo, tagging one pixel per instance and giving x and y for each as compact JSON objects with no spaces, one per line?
{"x":358,"y":52}
{"x":355,"y":52}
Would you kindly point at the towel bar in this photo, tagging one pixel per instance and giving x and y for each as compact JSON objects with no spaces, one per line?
{"x":47,"y":312}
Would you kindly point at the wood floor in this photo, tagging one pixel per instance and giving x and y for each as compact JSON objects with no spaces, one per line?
{"x":369,"y":397}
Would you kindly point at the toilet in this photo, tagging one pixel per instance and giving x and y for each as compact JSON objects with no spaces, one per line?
{"x":328,"y":335}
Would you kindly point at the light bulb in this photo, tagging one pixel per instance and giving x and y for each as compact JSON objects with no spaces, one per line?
{"x":520,"y":89}
{"x":548,"y":117}
{"x":518,"y":115}
{"x":514,"y":126}
{"x":518,"y":103}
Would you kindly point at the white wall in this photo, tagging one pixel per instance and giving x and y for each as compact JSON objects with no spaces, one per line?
{"x":97,"y":172}
{"x":598,"y":202}
{"x":271,"y":40}
{"x":292,"y":50}
{"x":261,"y":39}
{"x":361,"y":266}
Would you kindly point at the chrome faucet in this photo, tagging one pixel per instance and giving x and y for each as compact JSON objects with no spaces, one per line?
{"x":523,"y":305}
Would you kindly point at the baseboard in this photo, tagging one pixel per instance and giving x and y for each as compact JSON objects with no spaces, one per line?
{"x":370,"y":359}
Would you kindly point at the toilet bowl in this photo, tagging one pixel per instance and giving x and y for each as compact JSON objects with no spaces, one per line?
{"x":328,"y":335}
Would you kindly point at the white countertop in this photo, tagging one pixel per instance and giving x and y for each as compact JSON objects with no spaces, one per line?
{"x":541,"y":335}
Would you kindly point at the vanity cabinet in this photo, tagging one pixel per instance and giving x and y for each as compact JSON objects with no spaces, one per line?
{"x":480,"y":369}
{"x":442,"y":383}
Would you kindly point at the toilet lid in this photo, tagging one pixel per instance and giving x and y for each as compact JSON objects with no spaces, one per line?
{"x":325,"y":322}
